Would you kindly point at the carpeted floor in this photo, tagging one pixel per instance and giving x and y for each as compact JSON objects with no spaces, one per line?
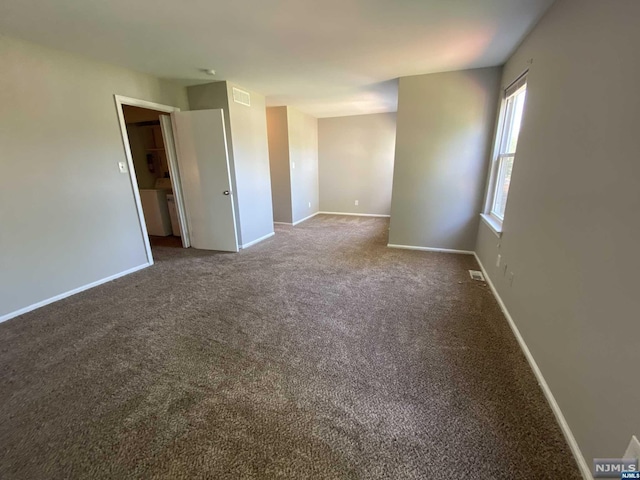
{"x":319,"y":353}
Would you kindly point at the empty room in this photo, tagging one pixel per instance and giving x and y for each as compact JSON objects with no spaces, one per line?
{"x":319,"y":240}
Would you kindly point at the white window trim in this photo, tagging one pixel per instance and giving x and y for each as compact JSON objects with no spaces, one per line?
{"x":494,"y":222}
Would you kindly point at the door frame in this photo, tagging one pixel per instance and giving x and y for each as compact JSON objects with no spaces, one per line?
{"x":135,"y":102}
{"x":169,"y":140}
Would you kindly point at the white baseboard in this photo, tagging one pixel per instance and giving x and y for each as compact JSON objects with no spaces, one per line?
{"x":258,"y":240}
{"x":35,"y":306}
{"x":305,"y":218}
{"x":283,"y":223}
{"x":430,"y":249}
{"x":355,"y":214}
{"x":585,"y":470}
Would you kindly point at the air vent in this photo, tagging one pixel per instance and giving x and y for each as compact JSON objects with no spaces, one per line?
{"x":241,"y":97}
{"x":476,"y":275}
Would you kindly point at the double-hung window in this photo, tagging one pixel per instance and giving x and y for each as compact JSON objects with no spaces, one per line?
{"x":505,"y":152}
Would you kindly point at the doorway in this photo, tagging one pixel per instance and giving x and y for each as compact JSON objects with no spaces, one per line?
{"x":201,"y":186}
{"x":148,"y":139}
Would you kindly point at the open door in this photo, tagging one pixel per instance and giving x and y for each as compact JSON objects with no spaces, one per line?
{"x":203,"y":161}
{"x":174,"y":173}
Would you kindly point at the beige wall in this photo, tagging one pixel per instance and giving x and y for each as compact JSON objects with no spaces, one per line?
{"x":356,"y":163}
{"x":445,"y":129}
{"x":293,"y":155}
{"x":278,"y":136}
{"x":303,"y":157}
{"x":571,"y":226}
{"x":58,"y":130}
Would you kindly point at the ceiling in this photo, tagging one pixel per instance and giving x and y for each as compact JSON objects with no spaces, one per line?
{"x":325,"y":57}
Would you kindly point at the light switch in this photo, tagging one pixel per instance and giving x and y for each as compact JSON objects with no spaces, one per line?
{"x":293,"y":164}
{"x":122,"y":166}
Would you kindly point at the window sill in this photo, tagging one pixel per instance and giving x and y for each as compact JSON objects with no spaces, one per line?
{"x":494,"y":225}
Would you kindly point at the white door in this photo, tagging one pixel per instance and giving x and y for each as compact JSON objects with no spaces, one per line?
{"x":203,"y":162}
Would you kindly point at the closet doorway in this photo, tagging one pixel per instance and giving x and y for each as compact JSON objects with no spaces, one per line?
{"x":192,"y":162}
{"x":149,"y":144}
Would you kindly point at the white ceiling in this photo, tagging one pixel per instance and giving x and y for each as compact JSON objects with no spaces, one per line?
{"x":325,"y":57}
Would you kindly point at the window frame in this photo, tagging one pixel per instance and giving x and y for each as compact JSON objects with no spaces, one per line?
{"x":498,"y":156}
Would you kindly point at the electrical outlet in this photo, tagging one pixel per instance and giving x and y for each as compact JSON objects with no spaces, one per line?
{"x":511,"y":275}
{"x":356,"y":202}
{"x":122,"y":166}
{"x":498,"y":260}
{"x":293,"y":164}
{"x":309,"y":204}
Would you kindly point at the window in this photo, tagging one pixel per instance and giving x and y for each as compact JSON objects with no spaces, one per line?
{"x":505,"y":152}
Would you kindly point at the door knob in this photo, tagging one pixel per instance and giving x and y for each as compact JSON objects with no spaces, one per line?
{"x":226,"y":192}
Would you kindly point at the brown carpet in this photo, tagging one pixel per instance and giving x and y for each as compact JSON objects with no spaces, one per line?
{"x":319,"y":353}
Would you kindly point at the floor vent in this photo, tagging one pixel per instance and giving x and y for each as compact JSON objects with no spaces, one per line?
{"x":476,"y":275}
{"x":241,"y":97}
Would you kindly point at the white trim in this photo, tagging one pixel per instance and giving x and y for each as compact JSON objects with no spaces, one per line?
{"x":35,"y":306}
{"x":169,"y":137}
{"x":562,"y":422}
{"x":258,"y":240}
{"x":353,"y":214}
{"x":633,"y":450}
{"x":492,"y":223}
{"x":283,"y":223}
{"x":430,"y":249}
{"x":134,"y":102}
{"x":305,"y":218}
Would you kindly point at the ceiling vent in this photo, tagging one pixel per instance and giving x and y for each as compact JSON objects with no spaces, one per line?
{"x":241,"y":97}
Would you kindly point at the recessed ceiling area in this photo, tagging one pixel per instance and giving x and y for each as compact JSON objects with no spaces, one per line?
{"x":329,"y":58}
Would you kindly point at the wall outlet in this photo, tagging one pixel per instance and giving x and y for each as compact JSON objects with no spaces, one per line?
{"x":633,"y":450}
{"x":498,"y":260}
{"x":293,"y":164}
{"x":122,"y":166}
{"x":309,"y":204}
{"x":356,"y":202}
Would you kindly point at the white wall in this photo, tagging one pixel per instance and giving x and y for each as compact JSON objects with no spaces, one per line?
{"x":445,"y":129}
{"x":303,"y":157}
{"x":355,"y":156}
{"x":571,"y":226}
{"x":68,"y":216}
